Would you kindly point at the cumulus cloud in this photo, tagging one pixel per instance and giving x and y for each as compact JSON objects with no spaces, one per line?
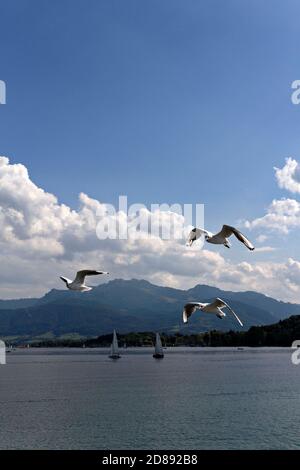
{"x":283,"y":214}
{"x":41,"y":239}
{"x":288,"y":177}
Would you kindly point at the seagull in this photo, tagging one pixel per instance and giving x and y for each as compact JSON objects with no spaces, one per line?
{"x":214,"y":307}
{"x":220,"y":238}
{"x":78,"y":283}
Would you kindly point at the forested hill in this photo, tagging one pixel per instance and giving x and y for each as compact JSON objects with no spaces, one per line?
{"x":281,"y":334}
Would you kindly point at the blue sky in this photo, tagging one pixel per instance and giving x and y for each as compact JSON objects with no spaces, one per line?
{"x":172,"y":94}
{"x":164,"y":101}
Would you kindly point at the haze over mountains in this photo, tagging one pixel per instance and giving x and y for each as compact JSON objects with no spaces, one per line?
{"x":133,"y":305}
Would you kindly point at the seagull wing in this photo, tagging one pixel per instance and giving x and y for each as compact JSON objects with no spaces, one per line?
{"x":194,"y":235}
{"x":188,"y":310}
{"x":218,"y":303}
{"x":224,"y":304}
{"x":227,"y":231}
{"x":65,"y":279}
{"x":80,"y":276}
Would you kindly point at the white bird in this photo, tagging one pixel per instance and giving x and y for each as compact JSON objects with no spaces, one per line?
{"x":214,"y":307}
{"x":220,"y":238}
{"x":78,"y":283}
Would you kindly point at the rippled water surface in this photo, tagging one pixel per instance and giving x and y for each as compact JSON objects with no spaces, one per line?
{"x":192,"y":399}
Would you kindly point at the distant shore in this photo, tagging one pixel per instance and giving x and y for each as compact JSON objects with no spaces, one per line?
{"x":281,"y":334}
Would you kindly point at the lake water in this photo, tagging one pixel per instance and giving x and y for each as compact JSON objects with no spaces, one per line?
{"x":195,"y":398}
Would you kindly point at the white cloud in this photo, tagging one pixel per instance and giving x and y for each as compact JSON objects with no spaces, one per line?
{"x":261,"y":238}
{"x":282,"y":215}
{"x":41,"y":239}
{"x":288,"y":177}
{"x":265,"y":249}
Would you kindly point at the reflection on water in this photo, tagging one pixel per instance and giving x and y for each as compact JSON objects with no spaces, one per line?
{"x":195,"y":398}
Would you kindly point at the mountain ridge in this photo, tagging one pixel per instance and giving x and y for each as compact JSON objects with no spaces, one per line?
{"x":134,"y":305}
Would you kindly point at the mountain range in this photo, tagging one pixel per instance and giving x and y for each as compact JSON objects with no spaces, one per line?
{"x":133,"y":305}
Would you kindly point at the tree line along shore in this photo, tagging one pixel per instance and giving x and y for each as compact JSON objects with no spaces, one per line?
{"x":280,"y":334}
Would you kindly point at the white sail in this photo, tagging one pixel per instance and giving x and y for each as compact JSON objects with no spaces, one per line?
{"x":114,"y":345}
{"x":158,"y":345}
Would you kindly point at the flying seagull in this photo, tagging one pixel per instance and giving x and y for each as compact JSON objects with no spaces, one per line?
{"x":78,"y":283}
{"x":214,"y":307}
{"x":220,"y":238}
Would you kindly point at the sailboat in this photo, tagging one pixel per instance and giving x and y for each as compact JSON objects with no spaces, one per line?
{"x":114,"y":349}
{"x":158,"y":353}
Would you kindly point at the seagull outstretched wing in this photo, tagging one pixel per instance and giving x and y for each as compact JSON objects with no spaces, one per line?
{"x":80,"y":276}
{"x":189,"y":309}
{"x":195,"y":234}
{"x":227,"y":231}
{"x":65,"y":279}
{"x":219,"y":303}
